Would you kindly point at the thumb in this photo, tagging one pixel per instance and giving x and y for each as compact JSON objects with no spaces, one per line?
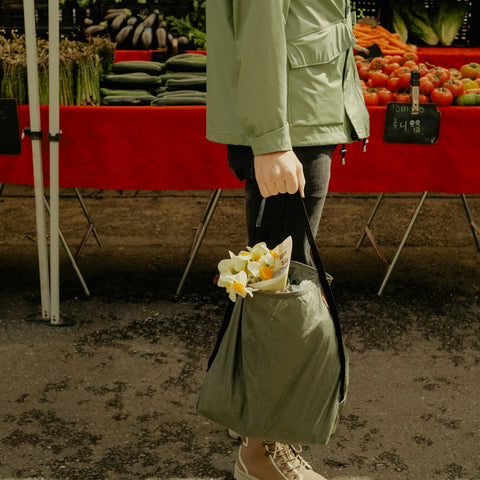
{"x":301,"y":180}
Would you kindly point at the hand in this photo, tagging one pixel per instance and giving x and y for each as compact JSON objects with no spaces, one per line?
{"x":279,"y":172}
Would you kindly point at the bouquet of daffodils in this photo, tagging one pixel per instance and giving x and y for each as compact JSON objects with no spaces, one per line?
{"x":257,"y":268}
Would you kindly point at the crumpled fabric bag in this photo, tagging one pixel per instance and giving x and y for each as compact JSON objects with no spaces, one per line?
{"x":280,"y":372}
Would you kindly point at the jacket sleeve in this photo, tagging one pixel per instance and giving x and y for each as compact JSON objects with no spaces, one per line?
{"x":259,"y":27}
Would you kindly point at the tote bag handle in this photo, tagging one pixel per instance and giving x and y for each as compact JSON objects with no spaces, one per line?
{"x":322,"y":275}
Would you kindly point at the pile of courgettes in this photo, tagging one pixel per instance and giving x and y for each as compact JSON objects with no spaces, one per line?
{"x":181,"y":80}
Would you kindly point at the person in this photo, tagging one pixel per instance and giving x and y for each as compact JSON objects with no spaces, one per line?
{"x":282,"y":93}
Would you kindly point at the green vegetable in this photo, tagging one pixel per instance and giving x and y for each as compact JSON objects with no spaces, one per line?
{"x":179,"y":100}
{"x":448,"y":20}
{"x":132,"y":66}
{"x":399,"y":25}
{"x":418,"y":22}
{"x":132,"y":93}
{"x":193,"y":83}
{"x":187,"y":62}
{"x":125,"y":100}
{"x":138,"y":80}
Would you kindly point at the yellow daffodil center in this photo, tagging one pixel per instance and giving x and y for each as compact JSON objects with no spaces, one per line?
{"x":239,"y":287}
{"x":266,"y":272}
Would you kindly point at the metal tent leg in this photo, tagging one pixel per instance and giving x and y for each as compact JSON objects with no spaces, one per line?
{"x":474,"y":227}
{"x":201,"y":230}
{"x":91,"y":226}
{"x":35,"y":133}
{"x":69,"y":253}
{"x":402,"y":243}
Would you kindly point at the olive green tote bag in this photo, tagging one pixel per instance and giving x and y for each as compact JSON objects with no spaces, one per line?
{"x":279,"y":369}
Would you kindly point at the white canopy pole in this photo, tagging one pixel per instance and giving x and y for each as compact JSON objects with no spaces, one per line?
{"x":35,"y":135}
{"x":54,"y":137}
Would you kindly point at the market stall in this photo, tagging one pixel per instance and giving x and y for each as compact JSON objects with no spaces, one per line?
{"x":159,"y":147}
{"x":164,"y":148}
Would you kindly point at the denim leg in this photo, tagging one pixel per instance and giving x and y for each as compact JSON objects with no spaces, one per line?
{"x":282,"y":217}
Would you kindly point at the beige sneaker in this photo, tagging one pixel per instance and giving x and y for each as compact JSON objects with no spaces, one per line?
{"x":272,"y":461}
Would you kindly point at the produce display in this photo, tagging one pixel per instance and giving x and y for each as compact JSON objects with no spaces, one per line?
{"x":151,"y":29}
{"x":387,"y":79}
{"x":181,"y":80}
{"x":413,"y":21}
{"x":82,"y":65}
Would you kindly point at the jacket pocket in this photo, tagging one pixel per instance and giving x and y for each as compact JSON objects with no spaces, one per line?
{"x":316,"y":68}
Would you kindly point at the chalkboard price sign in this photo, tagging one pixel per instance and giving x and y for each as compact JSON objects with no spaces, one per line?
{"x":9,"y":127}
{"x":404,"y":126}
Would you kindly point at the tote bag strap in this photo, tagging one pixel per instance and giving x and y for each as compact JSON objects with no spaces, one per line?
{"x":322,"y":275}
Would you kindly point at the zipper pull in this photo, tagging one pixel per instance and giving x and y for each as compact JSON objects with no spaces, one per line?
{"x":364,"y":148}
{"x":343,"y":151}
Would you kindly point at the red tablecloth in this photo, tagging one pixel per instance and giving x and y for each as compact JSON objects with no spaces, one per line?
{"x":164,"y":148}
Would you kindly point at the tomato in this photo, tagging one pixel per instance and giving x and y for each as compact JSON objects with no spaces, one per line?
{"x":390,"y":68}
{"x":385,"y":96}
{"x":378,"y":63}
{"x":455,"y":86}
{"x":410,"y":56}
{"x":426,"y":85}
{"x":392,"y":84}
{"x":395,"y":59}
{"x":467,"y":99}
{"x":397,"y":72}
{"x":441,"y":96}
{"x":454,"y":73}
{"x":422,"y":69}
{"x":470,"y":70}
{"x":371,"y":98}
{"x":404,"y":80}
{"x":403,"y":97}
{"x":410,"y":64}
{"x":378,"y":78}
{"x":363,"y":72}
{"x":423,"y":99}
{"x":469,"y":84}
{"x":434,"y":79}
{"x":442,"y":73}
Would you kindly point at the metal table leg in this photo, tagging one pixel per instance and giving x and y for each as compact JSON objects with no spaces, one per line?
{"x":474,"y":227}
{"x":402,"y":243}
{"x":201,"y":230}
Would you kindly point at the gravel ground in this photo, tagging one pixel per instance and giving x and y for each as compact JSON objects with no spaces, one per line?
{"x":113,"y":397}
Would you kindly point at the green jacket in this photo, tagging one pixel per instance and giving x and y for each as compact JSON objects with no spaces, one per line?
{"x":281,"y":73}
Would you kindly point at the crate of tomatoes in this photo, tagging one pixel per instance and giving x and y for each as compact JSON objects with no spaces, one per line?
{"x":387,"y":79}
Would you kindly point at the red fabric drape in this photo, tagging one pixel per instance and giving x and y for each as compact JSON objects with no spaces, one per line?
{"x":164,"y":148}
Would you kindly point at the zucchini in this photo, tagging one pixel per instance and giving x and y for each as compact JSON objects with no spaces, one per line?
{"x":125,"y":100}
{"x":138,"y":80}
{"x":135,"y":93}
{"x":132,"y":66}
{"x":178,"y":100}
{"x":182,"y":93}
{"x":178,"y":75}
{"x":187,"y":62}
{"x":193,"y":83}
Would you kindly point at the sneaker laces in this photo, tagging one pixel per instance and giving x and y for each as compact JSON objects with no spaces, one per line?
{"x":287,"y":457}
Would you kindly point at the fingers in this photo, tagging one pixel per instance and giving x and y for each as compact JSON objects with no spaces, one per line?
{"x":279,"y":172}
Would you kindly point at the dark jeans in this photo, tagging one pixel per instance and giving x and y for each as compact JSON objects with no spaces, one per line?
{"x":281,"y":216}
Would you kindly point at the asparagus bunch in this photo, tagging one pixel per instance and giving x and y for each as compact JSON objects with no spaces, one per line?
{"x":87,"y":77}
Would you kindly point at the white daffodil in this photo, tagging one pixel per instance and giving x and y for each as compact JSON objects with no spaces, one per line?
{"x":235,"y":285}
{"x":260,"y":270}
{"x":258,"y":251}
{"x":231,"y":266}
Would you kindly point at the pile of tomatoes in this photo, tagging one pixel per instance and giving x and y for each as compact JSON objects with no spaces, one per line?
{"x":387,"y":79}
